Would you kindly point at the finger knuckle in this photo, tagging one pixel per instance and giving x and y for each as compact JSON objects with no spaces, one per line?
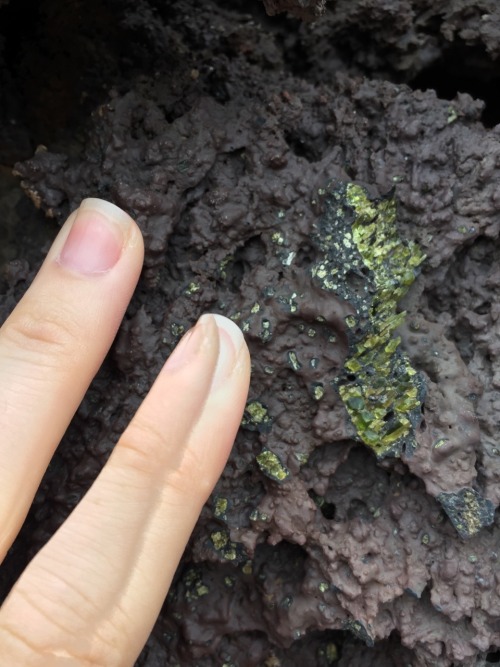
{"x":18,"y":649}
{"x":141,"y":445}
{"x":40,"y":646}
{"x":149,"y":453}
{"x":44,"y":335}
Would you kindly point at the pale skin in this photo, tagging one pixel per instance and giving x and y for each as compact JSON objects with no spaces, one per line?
{"x":92,"y":594}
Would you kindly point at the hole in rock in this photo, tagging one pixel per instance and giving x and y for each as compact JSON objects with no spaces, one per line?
{"x":284,"y":562}
{"x":58,"y":57}
{"x":304,"y":146}
{"x":305,"y":256}
{"x":326,"y":508}
{"x":464,"y":69}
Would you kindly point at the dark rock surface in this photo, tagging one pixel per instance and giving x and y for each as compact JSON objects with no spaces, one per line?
{"x":304,"y":9}
{"x":222,"y":142}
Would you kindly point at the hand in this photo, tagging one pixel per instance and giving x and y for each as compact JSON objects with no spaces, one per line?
{"x":92,"y":594}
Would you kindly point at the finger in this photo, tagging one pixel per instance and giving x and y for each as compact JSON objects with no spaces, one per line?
{"x":92,"y":594}
{"x":53,"y":343}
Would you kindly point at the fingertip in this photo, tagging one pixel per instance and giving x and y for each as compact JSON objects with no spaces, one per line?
{"x":107,"y":209}
{"x":228,"y":326}
{"x":97,"y":237}
{"x":232,"y":349}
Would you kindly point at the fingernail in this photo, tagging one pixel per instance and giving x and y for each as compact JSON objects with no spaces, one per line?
{"x":186,"y":348}
{"x":231,"y":341}
{"x":96,"y":239}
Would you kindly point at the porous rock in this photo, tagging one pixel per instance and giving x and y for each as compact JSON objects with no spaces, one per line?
{"x":304,"y":9}
{"x":318,"y":550}
{"x":406,"y":38}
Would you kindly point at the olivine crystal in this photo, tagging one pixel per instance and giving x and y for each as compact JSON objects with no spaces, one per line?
{"x":366,"y":263}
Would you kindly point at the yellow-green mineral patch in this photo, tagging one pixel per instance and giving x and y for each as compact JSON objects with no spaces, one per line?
{"x":467,"y":510}
{"x":192,"y":288}
{"x":332,"y":654}
{"x":271,"y":466}
{"x":220,"y":507}
{"x":256,"y":417}
{"x":219,"y":539}
{"x":195,"y":588}
{"x":247,"y":567}
{"x":228,"y":549}
{"x":359,"y":630}
{"x":367,"y":264}
{"x":318,"y":391}
{"x":293,"y":360}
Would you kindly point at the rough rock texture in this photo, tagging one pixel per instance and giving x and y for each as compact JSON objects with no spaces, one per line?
{"x":304,"y":9}
{"x":447,"y":45}
{"x":312,"y":550}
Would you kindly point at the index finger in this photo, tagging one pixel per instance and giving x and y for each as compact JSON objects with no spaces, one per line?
{"x":53,"y":343}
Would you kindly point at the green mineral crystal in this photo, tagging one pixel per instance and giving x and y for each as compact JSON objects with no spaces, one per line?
{"x":256,"y":417}
{"x":271,"y":466}
{"x":467,"y":510}
{"x":367,"y":264}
